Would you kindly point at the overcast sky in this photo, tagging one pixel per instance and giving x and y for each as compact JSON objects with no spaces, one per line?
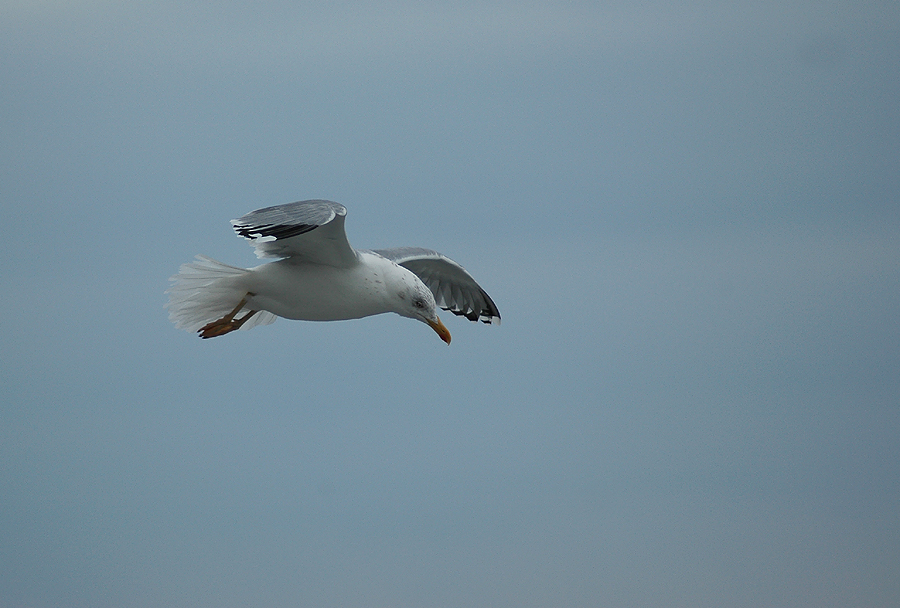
{"x":687,"y":214}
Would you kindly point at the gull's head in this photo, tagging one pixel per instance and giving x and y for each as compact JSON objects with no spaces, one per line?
{"x":417,"y":302}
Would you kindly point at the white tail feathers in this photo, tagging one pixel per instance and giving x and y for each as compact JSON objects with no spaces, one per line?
{"x":206,"y":290}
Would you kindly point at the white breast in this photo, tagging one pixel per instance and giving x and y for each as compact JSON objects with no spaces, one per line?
{"x":315,"y":292}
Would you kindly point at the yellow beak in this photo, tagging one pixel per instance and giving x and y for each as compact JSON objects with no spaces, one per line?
{"x":440,"y":329}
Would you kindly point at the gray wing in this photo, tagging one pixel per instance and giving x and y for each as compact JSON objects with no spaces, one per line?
{"x":454,"y":289}
{"x":308,"y":231}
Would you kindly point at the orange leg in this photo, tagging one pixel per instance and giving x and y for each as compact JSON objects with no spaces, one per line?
{"x":228,"y":323}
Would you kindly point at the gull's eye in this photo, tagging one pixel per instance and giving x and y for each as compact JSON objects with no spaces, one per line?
{"x":420,"y":304}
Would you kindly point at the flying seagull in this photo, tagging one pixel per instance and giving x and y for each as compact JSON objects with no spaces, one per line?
{"x":320,"y":278}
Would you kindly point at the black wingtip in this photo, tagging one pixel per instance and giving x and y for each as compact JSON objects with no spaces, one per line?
{"x":277,"y":231}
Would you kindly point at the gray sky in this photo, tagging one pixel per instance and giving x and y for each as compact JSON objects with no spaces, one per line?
{"x":687,"y":214}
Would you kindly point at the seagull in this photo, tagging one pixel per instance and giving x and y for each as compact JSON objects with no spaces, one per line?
{"x":320,"y":277}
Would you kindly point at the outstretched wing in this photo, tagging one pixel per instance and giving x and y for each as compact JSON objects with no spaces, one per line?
{"x":309,"y":231}
{"x":454,"y":289}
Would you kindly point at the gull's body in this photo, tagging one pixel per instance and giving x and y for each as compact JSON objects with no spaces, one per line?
{"x":316,"y":292}
{"x":320,"y":278}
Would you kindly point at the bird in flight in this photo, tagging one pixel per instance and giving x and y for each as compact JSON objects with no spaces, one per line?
{"x":320,"y":277}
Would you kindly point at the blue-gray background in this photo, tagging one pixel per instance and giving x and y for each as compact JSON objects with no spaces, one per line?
{"x":687,"y":213}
